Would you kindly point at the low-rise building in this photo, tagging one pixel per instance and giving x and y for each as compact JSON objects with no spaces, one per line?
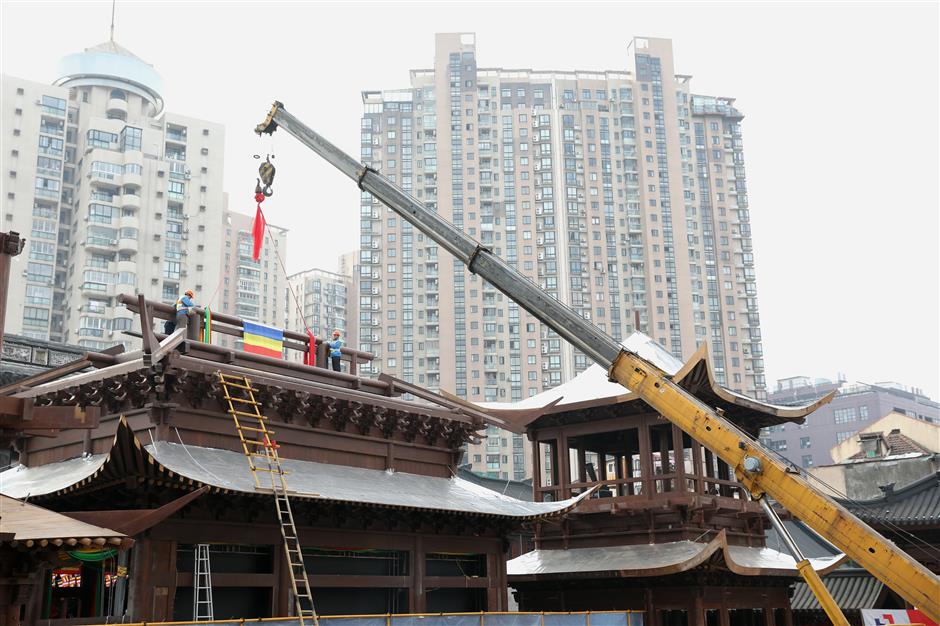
{"x":854,"y":407}
{"x":887,"y":455}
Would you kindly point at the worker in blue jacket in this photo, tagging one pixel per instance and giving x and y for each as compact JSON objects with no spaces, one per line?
{"x":336,"y":350}
{"x":183,"y":306}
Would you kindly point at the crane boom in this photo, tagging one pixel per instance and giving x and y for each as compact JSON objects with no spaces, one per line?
{"x":759,"y":471}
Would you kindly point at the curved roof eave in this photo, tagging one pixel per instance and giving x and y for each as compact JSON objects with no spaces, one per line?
{"x":518,"y":418}
{"x":351,"y":485}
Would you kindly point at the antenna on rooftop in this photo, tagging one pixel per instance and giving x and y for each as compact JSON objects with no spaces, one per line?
{"x":113,"y":2}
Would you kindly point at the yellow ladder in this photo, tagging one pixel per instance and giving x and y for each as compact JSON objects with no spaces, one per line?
{"x":261,"y":451}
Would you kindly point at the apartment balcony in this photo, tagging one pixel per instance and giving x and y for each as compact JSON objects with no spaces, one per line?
{"x":117,"y":108}
{"x":130,"y":221}
{"x":127,"y":244}
{"x":127,"y":266}
{"x":134,"y":179}
{"x":176,"y":136}
{"x":101,"y":244}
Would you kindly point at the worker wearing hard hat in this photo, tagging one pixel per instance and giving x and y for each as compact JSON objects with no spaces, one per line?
{"x":183,"y":306}
{"x":336,"y":350}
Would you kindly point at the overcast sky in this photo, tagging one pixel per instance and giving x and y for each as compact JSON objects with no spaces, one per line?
{"x":840,"y":133}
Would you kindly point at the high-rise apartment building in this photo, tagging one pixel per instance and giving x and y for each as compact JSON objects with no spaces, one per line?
{"x":619,"y":192}
{"x":113,"y":194}
{"x":253,"y":290}
{"x":324,"y":297}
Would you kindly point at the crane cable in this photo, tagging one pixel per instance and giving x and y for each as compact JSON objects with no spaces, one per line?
{"x":914,"y":539}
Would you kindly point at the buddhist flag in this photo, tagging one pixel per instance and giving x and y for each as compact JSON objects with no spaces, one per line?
{"x":265,"y":340}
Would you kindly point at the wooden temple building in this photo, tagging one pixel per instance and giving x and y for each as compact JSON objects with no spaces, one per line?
{"x":139,"y":443}
{"x":668,"y":530}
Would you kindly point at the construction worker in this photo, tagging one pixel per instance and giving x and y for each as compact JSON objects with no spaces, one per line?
{"x":183,"y":306}
{"x":336,"y":350}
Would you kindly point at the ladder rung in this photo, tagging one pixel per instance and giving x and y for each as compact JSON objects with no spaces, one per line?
{"x":257,"y":430}
{"x":264,"y":455}
{"x":266,"y":444}
{"x":256,"y":415}
{"x":242,"y":400}
{"x":237,"y":386}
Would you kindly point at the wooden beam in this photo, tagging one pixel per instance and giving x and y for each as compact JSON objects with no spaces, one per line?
{"x":146,"y":326}
{"x":59,"y":385}
{"x":21,"y":414}
{"x":45,"y":376}
{"x":164,"y":347}
{"x":281,"y":381}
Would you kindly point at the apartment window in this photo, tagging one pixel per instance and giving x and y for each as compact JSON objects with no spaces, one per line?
{"x":33,"y":316}
{"x":805,"y":442}
{"x":807,"y":460}
{"x":38,"y":295}
{"x":843,"y":435}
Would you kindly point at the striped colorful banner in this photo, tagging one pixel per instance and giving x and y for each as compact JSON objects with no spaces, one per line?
{"x":265,"y":340}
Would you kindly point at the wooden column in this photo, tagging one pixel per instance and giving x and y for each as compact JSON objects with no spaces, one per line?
{"x":582,"y":471}
{"x":139,"y":597}
{"x":646,"y":458}
{"x":697,"y":609}
{"x":679,"y":449}
{"x":652,"y":617}
{"x":725,"y":617}
{"x":536,"y":471}
{"x":564,"y":466}
{"x":697,"y":466}
{"x":618,"y":474}
{"x":418,"y":600}
{"x":10,"y":246}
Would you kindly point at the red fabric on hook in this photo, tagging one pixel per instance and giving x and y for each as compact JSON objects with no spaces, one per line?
{"x":257,"y":228}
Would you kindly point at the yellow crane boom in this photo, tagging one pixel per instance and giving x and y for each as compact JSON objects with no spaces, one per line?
{"x":761,"y":473}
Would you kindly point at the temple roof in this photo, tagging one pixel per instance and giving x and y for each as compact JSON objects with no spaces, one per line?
{"x":917,"y":504}
{"x":225,"y":471}
{"x":659,"y":559}
{"x":852,"y":589}
{"x":591,"y":392}
{"x":28,"y":524}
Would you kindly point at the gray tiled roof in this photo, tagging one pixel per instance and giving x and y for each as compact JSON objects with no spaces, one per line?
{"x":851,"y":589}
{"x":917,"y":504}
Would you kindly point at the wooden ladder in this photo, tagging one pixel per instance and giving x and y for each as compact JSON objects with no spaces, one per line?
{"x":261,"y":451}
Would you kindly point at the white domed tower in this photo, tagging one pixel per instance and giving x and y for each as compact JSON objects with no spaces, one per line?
{"x":113,"y":193}
{"x":131,"y":84}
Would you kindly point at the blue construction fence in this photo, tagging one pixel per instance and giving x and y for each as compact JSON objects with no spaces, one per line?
{"x":586,"y":618}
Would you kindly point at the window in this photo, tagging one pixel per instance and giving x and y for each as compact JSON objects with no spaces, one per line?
{"x":805,"y":442}
{"x":844,"y":415}
{"x":845,"y":434}
{"x":807,"y":460}
{"x":38,"y":295}
{"x":54,"y":106}
{"x":130,"y":138}
{"x":33,"y":316}
{"x":101,"y":139}
{"x":39,"y":272}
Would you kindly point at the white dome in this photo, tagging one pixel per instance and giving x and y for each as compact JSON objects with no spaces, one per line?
{"x":111,"y":65}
